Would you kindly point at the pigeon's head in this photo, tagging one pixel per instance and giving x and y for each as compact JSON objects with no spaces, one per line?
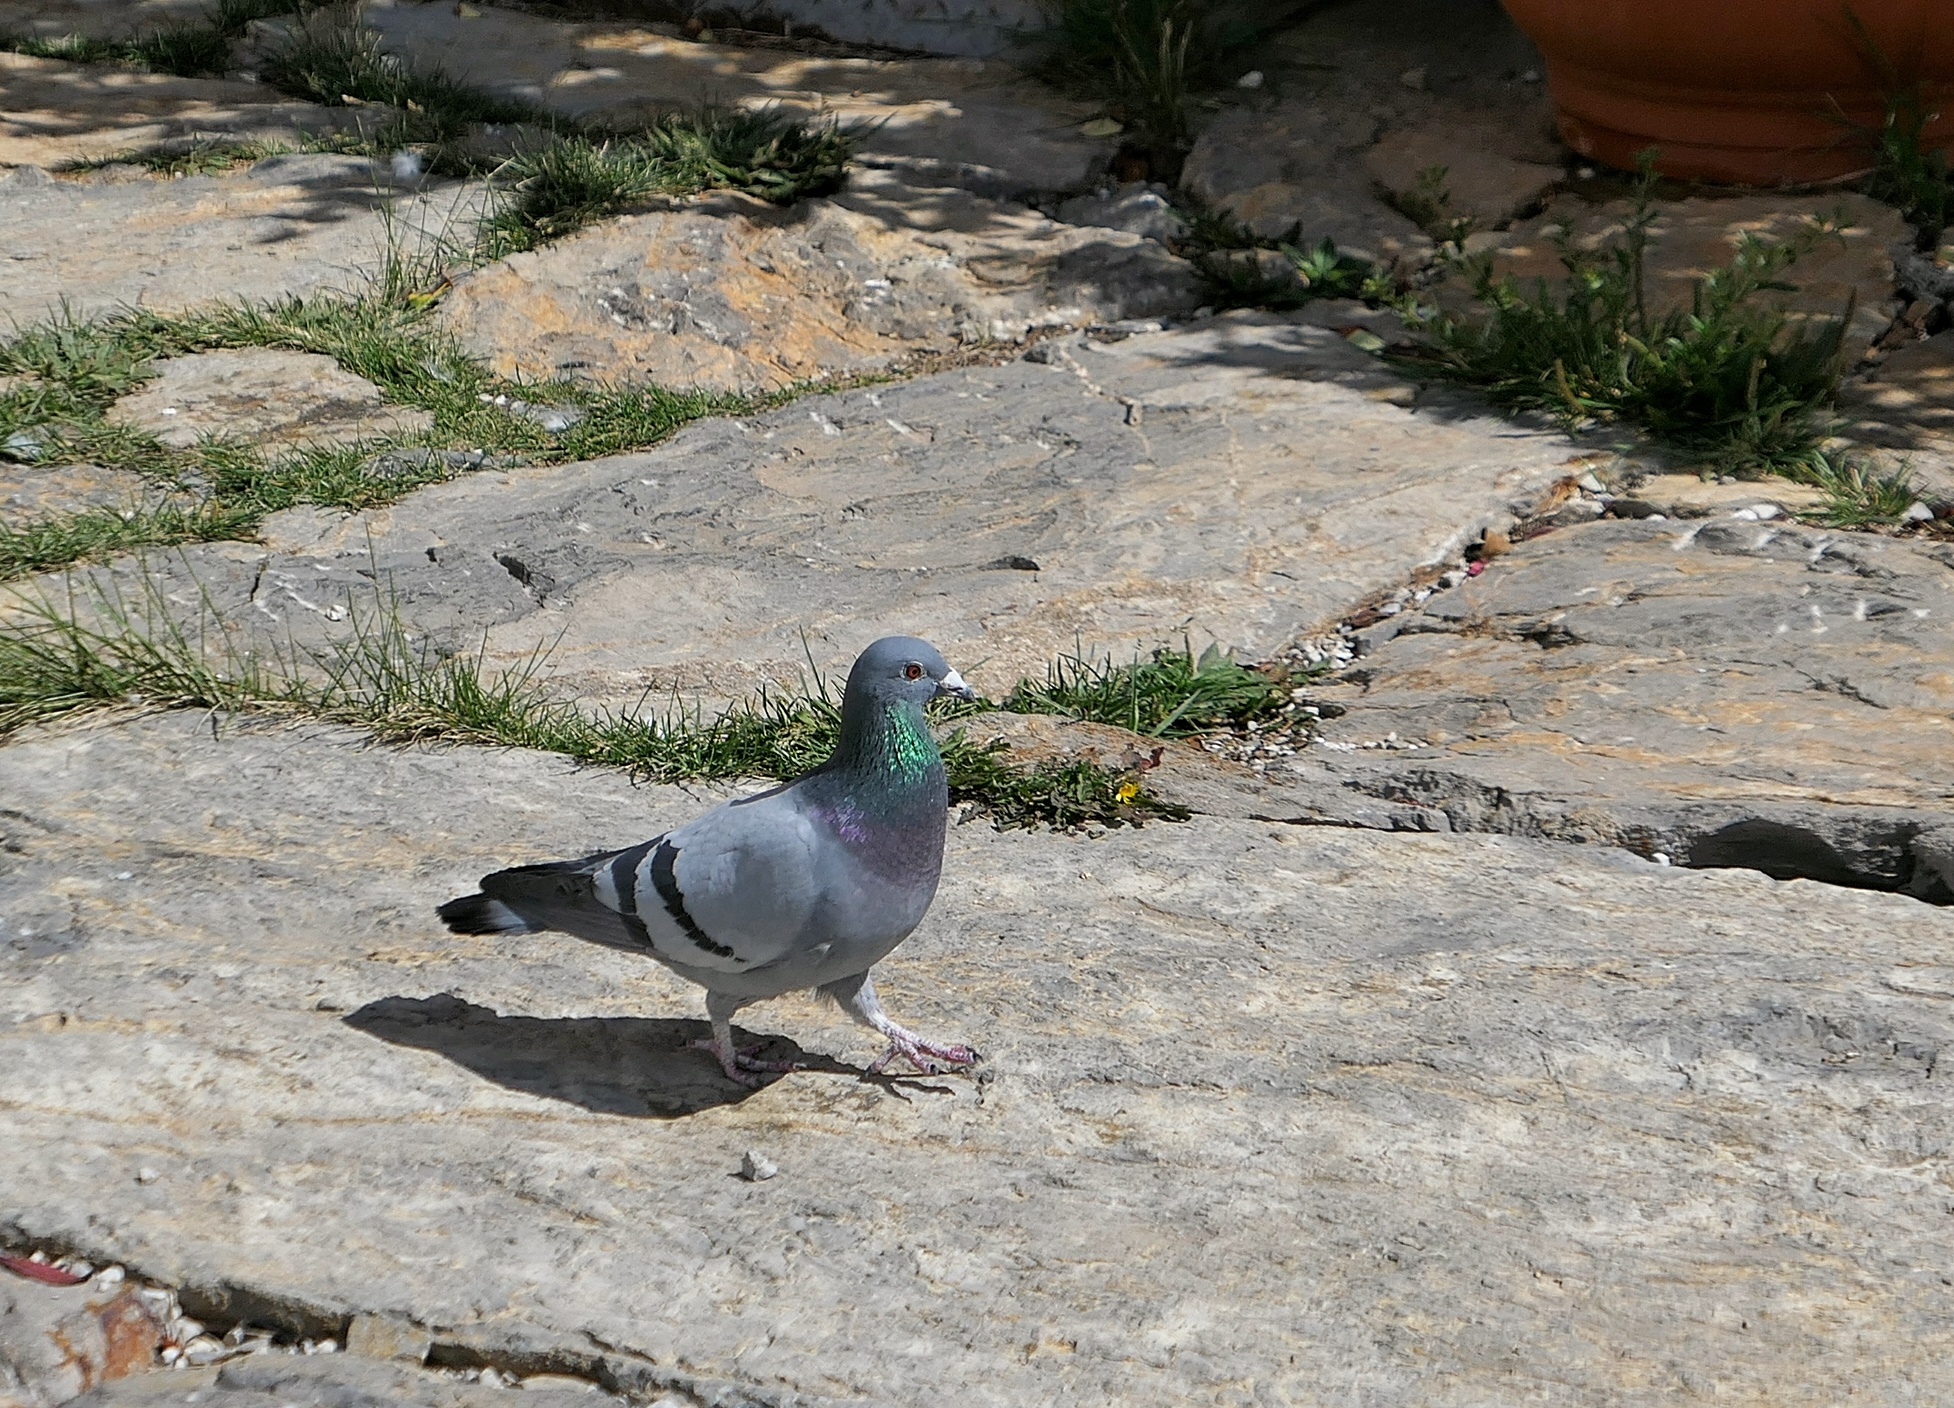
{"x":905,"y":668}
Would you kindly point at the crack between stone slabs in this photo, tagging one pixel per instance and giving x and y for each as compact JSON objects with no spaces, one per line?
{"x":521,"y":1350}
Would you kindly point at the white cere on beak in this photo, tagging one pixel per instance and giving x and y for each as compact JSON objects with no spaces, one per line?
{"x":952,"y":683}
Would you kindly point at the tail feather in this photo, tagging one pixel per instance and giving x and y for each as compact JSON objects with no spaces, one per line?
{"x":478,"y":914}
{"x":557,"y":894}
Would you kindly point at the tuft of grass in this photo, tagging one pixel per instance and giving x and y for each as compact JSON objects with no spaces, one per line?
{"x":1147,"y":60}
{"x":576,"y":179}
{"x":1856,"y":494}
{"x":70,"y":48}
{"x":99,"y":533}
{"x":333,"y":59}
{"x":1734,"y":382}
{"x":186,"y":48}
{"x":1171,"y":694}
{"x":61,"y":656}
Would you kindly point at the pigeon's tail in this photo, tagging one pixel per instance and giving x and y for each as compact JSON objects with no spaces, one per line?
{"x":558,"y":894}
{"x":478,"y":914}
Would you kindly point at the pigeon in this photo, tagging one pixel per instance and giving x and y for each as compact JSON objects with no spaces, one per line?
{"x":807,"y":885}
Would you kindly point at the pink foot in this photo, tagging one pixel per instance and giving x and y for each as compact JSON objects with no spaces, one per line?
{"x":930,"y":1057}
{"x":737,"y":1061}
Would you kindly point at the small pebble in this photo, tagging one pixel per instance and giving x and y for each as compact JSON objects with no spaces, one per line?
{"x":1251,"y":79}
{"x":1764,"y":511}
{"x":110,"y":1275}
{"x":1591,"y":484}
{"x":147,"y":1175}
{"x":1917,"y":512}
{"x":1413,"y":77}
{"x":1660,"y":857}
{"x":1532,"y":75}
{"x":756,"y":1167}
{"x":184,"y":1329}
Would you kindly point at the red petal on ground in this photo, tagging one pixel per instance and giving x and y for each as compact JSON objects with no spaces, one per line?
{"x":39,"y":1271}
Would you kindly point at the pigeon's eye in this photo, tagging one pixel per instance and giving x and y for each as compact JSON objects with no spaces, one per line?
{"x":912,"y":671}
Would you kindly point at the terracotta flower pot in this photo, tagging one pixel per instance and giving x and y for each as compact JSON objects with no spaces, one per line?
{"x":1736,"y":90}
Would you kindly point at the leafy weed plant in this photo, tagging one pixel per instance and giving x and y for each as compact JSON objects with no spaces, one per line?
{"x":1729,"y":380}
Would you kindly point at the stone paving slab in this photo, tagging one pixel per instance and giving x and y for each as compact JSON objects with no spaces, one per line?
{"x":1270,"y":1114}
{"x":733,"y":294}
{"x":1240,"y":480}
{"x":969,"y":121}
{"x":1720,"y":691}
{"x":53,"y":112}
{"x":297,"y":224}
{"x":266,"y":395}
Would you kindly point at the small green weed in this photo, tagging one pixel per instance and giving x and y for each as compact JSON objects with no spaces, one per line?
{"x":1428,"y":205}
{"x":1236,"y":279}
{"x":1856,"y":494}
{"x":1171,"y":694}
{"x":1729,"y":380}
{"x":1908,"y":173}
{"x":1224,"y":252}
{"x":85,"y":651}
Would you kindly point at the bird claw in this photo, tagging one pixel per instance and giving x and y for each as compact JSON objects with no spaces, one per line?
{"x":737,"y":1061}
{"x":932,"y":1058}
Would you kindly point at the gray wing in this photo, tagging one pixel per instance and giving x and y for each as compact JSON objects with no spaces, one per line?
{"x":737,"y":889}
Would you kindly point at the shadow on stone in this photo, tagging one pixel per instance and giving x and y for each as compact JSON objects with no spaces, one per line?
{"x":635,"y":1066}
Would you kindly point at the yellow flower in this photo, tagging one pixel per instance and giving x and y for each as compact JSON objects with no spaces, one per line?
{"x":1127,"y":792}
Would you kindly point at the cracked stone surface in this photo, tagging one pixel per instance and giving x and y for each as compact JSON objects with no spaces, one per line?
{"x":734,"y":294}
{"x":1268,"y":1111}
{"x":334,"y":1381}
{"x":264,"y":395}
{"x":1723,"y":692}
{"x":1241,"y":480}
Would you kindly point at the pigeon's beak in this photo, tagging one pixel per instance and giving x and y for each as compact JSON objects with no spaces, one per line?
{"x":952,"y":684}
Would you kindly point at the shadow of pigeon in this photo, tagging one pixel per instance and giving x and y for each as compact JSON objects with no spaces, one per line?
{"x":634,"y":1066}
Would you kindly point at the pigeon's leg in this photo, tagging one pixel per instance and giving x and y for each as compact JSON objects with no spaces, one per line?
{"x":857,"y":998}
{"x":735,"y":1061}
